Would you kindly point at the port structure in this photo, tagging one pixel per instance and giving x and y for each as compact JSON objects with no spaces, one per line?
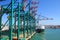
{"x":21,"y":19}
{"x":42,"y":18}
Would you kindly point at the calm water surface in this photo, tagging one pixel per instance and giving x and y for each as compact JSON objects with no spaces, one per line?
{"x":48,"y":34}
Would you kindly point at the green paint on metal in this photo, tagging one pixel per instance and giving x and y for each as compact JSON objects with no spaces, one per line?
{"x":27,"y":27}
{"x":30,"y":26}
{"x":24,"y":26}
{"x":11,"y":20}
{"x":34,"y":23}
{"x":18,"y":21}
{"x":29,"y":18}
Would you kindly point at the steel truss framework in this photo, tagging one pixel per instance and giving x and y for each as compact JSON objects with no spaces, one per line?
{"x":17,"y":13}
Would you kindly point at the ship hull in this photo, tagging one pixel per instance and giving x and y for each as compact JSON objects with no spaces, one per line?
{"x":39,"y":30}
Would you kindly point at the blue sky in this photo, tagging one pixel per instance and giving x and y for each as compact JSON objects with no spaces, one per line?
{"x":48,"y":8}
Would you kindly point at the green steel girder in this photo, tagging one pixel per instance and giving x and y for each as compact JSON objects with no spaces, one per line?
{"x":18,"y":21}
{"x":29,"y":22}
{"x":11,"y":20}
{"x":7,"y":10}
{"x":30,"y":27}
{"x":27,"y":19}
{"x":4,"y":24}
{"x":10,"y":4}
{"x":24,"y":25}
{"x":26,"y":16}
{"x":34,"y":24}
{"x":27,"y":28}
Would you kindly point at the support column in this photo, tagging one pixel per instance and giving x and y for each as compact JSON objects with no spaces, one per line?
{"x":27,"y":27}
{"x":28,"y":20}
{"x":18,"y":33}
{"x":11,"y":20}
{"x":30,"y":27}
{"x":33,"y":25}
{"x":29,"y":15}
{"x":24,"y":27}
{"x":30,"y":24}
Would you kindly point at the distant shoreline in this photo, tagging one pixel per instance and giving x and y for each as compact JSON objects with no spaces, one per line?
{"x":53,"y":26}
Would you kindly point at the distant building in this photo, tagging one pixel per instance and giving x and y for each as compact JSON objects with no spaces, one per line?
{"x":52,"y":26}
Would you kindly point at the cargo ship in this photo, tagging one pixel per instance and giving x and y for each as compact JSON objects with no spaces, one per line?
{"x":40,"y":29}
